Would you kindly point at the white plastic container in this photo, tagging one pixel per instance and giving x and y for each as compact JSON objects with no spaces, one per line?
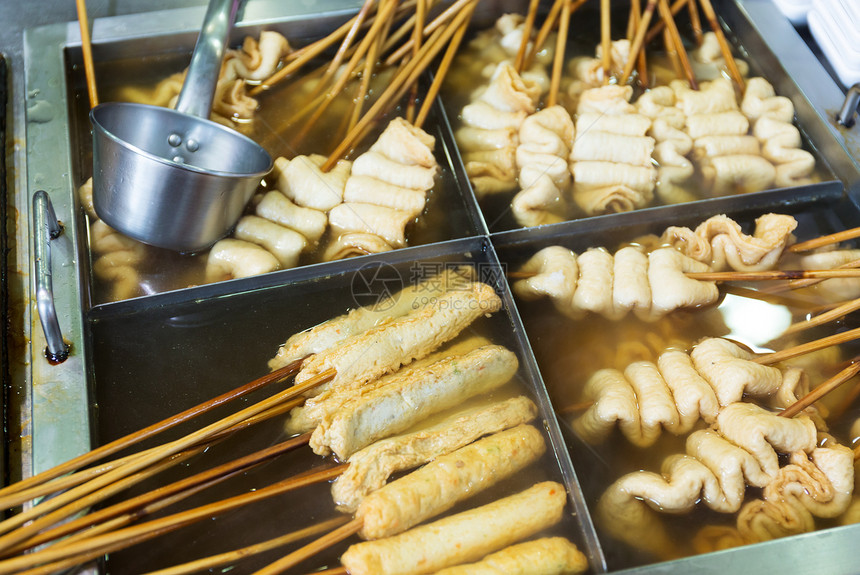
{"x":835,"y":25}
{"x":795,"y":10}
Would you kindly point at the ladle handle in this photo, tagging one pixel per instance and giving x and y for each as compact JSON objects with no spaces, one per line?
{"x":849,"y":107}
{"x":47,"y":228}
{"x":199,"y":87}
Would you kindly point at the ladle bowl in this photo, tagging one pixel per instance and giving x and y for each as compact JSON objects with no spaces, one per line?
{"x":169,"y":179}
{"x":173,"y":178}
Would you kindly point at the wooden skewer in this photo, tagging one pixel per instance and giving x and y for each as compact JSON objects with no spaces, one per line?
{"x":405,"y":28}
{"x":575,"y":407}
{"x":659,"y":26}
{"x":150,"y":431}
{"x":559,"y":56}
{"x":771,"y":298}
{"x":300,"y":57}
{"x":397,"y":88}
{"x":25,"y":536}
{"x":798,"y":284}
{"x":635,"y":18}
{"x":828,"y":316}
{"x":751,"y":276}
{"x":606,"y":40}
{"x":528,"y":26}
{"x":87,"y":50}
{"x":837,"y":412}
{"x":804,"y":283}
{"x":231,"y":557}
{"x":128,"y":518}
{"x":783,"y":355}
{"x":543,"y":32}
{"x":367,"y":74}
{"x":82,"y":558}
{"x":441,"y":19}
{"x":61,"y":483}
{"x":827,"y":240}
{"x":845,"y":375}
{"x":152,"y":528}
{"x":724,"y":44}
{"x":79,"y":477}
{"x":695,"y":22}
{"x":672,"y":52}
{"x":638,"y":41}
{"x":666,"y":14}
{"x":333,"y":571}
{"x":442,"y":71}
{"x":312,"y":548}
{"x":343,"y":48}
{"x":74,"y":497}
{"x":417,"y":39}
{"x":386,"y":11}
{"x":141,"y":501}
{"x":809,"y":347}
{"x":769,"y":275}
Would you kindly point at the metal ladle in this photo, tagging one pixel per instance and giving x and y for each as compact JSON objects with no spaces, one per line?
{"x":173,"y":178}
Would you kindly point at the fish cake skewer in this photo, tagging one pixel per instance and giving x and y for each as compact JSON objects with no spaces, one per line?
{"x":478,"y":531}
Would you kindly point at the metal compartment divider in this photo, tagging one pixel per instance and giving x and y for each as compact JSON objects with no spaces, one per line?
{"x":180,"y":329}
{"x":798,"y":553}
{"x":58,"y":400}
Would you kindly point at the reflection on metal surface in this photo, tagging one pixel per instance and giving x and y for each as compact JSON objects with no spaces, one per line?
{"x":47,"y":228}
{"x":849,"y":108}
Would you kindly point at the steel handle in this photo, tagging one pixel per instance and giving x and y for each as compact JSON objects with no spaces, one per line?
{"x":846,"y":114}
{"x":198,"y":90}
{"x":47,"y":228}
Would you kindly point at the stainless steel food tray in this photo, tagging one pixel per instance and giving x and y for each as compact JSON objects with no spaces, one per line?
{"x":816,"y":216}
{"x":834,"y":164}
{"x":58,"y":406}
{"x":172,"y":351}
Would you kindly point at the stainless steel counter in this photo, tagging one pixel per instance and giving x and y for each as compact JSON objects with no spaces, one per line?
{"x":48,"y":411}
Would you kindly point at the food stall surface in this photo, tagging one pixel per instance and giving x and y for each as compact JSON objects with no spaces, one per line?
{"x":123,"y":353}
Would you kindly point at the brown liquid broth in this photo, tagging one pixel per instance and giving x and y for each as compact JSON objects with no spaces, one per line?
{"x":444,"y":216}
{"x":570,"y":351}
{"x":467,"y":71}
{"x":185,"y":340}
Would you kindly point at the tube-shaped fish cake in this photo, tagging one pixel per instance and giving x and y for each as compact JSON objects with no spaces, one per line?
{"x":278,"y":208}
{"x":594,"y":145}
{"x":397,"y":407}
{"x":546,"y":556}
{"x":231,"y":258}
{"x":370,"y":468}
{"x":460,"y":538}
{"x":406,"y":144}
{"x":306,"y":417}
{"x":387,"y":346}
{"x":387,"y":223}
{"x":283,"y":243}
{"x":302,"y":181}
{"x":354,"y":244}
{"x":335,"y":330}
{"x":376,"y":165}
{"x":368,"y":190}
{"x":721,"y":124}
{"x":622,"y":125}
{"x":447,"y":480}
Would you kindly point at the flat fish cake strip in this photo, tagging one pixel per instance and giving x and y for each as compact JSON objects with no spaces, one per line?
{"x":385,"y":348}
{"x":447,"y":480}
{"x":372,"y":466}
{"x":460,"y":538}
{"x":395,"y":408}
